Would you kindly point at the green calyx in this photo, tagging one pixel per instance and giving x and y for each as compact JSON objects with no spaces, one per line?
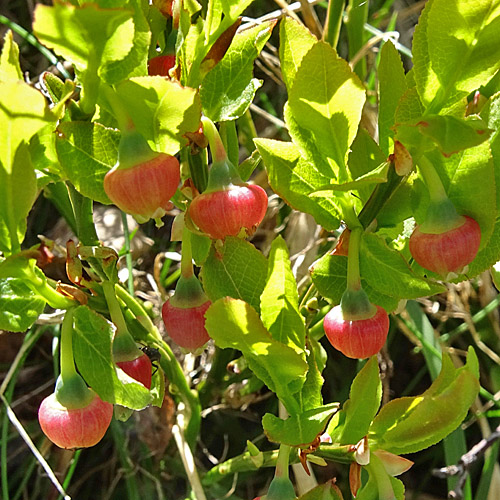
{"x":72,"y":392}
{"x":222,"y":175}
{"x":188,"y":293}
{"x":281,"y":488}
{"x":133,"y":150}
{"x":441,"y":217}
{"x":124,"y":347}
{"x":356,"y":305}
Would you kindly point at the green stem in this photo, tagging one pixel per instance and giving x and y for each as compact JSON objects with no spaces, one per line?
{"x":216,"y":145}
{"x":333,"y":22}
{"x":68,"y":369}
{"x":432,"y":180}
{"x":283,"y":461}
{"x":353,"y":276}
{"x":241,"y":463}
{"x":124,"y":120}
{"x":114,"y":308}
{"x":139,"y":312}
{"x":229,"y":137}
{"x":380,"y":196}
{"x":187,"y":254}
{"x":128,"y":254}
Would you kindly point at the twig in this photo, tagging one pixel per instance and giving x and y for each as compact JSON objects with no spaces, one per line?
{"x":466,"y":461}
{"x":188,"y":462}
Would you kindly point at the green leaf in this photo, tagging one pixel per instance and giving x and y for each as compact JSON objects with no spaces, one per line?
{"x":360,"y":409}
{"x":294,"y":178}
{"x":327,"y":99}
{"x":279,"y":302}
{"x":135,"y":62}
{"x":392,"y":86}
{"x":86,"y":152}
{"x":310,"y":395}
{"x":230,"y":10}
{"x":376,"y":176}
{"x":329,"y":275}
{"x":18,"y":192}
{"x":162,"y":110}
{"x":23,"y":112}
{"x":229,"y":88}
{"x":409,"y":108}
{"x":298,"y":430}
{"x":9,"y":60}
{"x":235,"y":324}
{"x":89,"y":36}
{"x":365,"y":157}
{"x":386,"y":271}
{"x":455,"y":57}
{"x":19,"y":306}
{"x":295,"y":42}
{"x":92,"y":341}
{"x":237,"y":270}
{"x":410,"y":424}
{"x":449,"y":133}
{"x":489,"y":254}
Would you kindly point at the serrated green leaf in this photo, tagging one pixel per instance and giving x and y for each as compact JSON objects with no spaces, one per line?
{"x":294,"y":178}
{"x":237,"y":270}
{"x":92,"y":341}
{"x":361,"y":407}
{"x":216,"y":8}
{"x":162,"y":110}
{"x":329,"y":275}
{"x":386,"y":271}
{"x":310,"y":395}
{"x":327,"y":99}
{"x":455,"y":57}
{"x":410,"y":424}
{"x":18,"y":192}
{"x":392,"y":86}
{"x":295,"y":42}
{"x":135,"y":62}
{"x":19,"y":306}
{"x":86,"y":152}
{"x":298,"y":430}
{"x":490,"y":253}
{"x":89,"y":36}
{"x":279,"y":302}
{"x":9,"y":60}
{"x":235,"y":324}
{"x":409,"y":107}
{"x":229,"y":88}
